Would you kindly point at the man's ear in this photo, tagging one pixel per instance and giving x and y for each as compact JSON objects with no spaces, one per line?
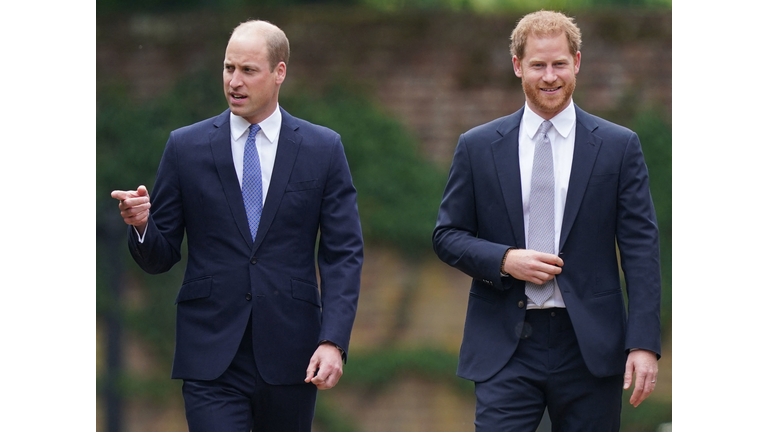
{"x":518,"y":65}
{"x":577,"y":62}
{"x":281,"y":70}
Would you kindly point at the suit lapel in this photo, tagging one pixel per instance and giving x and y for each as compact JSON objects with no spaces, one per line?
{"x":221,"y":147}
{"x":287,"y":150}
{"x":507,"y":160}
{"x":585,"y":150}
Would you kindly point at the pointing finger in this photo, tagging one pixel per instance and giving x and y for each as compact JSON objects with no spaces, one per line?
{"x":119,"y":195}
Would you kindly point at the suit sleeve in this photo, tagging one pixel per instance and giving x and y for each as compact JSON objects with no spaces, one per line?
{"x":455,"y":238}
{"x":161,"y":248}
{"x":340,"y":252}
{"x":637,"y":236}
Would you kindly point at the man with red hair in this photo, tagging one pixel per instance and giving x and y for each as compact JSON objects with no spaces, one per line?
{"x":533,"y":209}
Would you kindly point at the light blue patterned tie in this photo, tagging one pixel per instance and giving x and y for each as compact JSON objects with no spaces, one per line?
{"x":252,"y":193}
{"x":541,"y":214}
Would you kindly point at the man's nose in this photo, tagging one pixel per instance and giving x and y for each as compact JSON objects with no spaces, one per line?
{"x":235,"y":80}
{"x":549,"y":74}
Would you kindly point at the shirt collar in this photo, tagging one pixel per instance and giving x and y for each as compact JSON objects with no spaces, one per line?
{"x":271,"y":125}
{"x":562,"y":122}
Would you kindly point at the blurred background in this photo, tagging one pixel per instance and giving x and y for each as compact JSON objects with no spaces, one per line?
{"x":399,"y":80}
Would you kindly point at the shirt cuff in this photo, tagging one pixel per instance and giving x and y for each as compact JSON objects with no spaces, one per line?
{"x":140,"y":236}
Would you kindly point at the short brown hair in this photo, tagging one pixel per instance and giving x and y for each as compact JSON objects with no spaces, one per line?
{"x":544,"y":23}
{"x":278,"y":48}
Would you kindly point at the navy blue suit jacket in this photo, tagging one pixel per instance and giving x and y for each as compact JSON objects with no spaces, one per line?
{"x":230,"y":277}
{"x":608,"y":203}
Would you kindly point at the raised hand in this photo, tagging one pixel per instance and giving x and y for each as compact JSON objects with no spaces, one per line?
{"x":134,"y":207}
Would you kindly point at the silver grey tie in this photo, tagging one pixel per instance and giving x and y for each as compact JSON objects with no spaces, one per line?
{"x":541,"y":214}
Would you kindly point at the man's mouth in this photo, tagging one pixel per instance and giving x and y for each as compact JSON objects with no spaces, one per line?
{"x":550,"y":90}
{"x":237,"y":96}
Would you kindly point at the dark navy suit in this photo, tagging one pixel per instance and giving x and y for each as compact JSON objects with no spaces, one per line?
{"x":608,"y":203}
{"x":272,"y":281}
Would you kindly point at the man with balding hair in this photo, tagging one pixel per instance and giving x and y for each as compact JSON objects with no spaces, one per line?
{"x":252,"y":188}
{"x":534,"y":207}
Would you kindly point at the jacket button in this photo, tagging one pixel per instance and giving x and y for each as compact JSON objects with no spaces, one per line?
{"x":521,"y":304}
{"x":253,"y":260}
{"x":248,"y":297}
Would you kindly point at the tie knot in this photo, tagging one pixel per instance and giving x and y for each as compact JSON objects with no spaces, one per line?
{"x":544,"y":127}
{"x":254,"y":129}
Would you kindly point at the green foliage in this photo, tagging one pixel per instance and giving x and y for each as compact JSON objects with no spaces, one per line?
{"x":128,"y":145}
{"x":376,"y":369}
{"x":398,"y":191}
{"x":329,"y":419}
{"x":130,"y":137}
{"x":645,"y":418}
{"x":157,"y":389}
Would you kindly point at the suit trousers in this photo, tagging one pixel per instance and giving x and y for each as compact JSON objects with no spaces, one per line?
{"x":241,"y":401}
{"x":548,"y":371}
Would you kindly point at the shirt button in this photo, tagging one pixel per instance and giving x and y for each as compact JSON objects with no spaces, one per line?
{"x":521,"y":304}
{"x":248,"y":297}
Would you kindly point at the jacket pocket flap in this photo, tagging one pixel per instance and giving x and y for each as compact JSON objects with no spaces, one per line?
{"x":490,"y":298}
{"x":300,"y":186}
{"x":305,"y":291}
{"x":195,"y":289}
{"x":603,"y":178}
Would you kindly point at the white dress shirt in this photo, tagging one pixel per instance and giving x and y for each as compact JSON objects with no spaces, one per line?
{"x":266,"y":145}
{"x":562,"y":136}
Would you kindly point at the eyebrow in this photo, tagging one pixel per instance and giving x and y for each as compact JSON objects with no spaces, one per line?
{"x":559,"y":59}
{"x":245,"y":65}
